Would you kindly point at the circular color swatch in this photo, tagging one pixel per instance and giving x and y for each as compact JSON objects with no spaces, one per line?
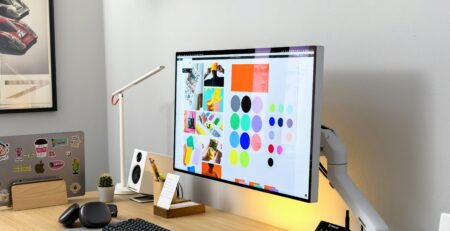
{"x":234,"y":121}
{"x":289,"y":137}
{"x":279,"y":150}
{"x":280,"y":122}
{"x":256,"y":123}
{"x":256,"y":142}
{"x":272,"y":107}
{"x":245,"y":122}
{"x":271,"y":135}
{"x":235,"y":103}
{"x":270,"y":162}
{"x":257,"y":105}
{"x":289,"y":123}
{"x":246,"y":104}
{"x":234,"y":139}
{"x":272,"y":121}
{"x":245,"y":141}
{"x":245,"y":159}
{"x":290,"y":109}
{"x":281,"y":108}
{"x":234,"y":157}
{"x":270,"y":148}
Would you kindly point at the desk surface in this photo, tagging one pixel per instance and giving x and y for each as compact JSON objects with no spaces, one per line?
{"x":46,"y":218}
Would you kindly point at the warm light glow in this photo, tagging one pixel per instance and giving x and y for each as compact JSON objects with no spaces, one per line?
{"x":295,"y":215}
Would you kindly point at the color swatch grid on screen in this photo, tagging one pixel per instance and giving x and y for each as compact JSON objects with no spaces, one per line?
{"x":281,"y":123}
{"x":246,"y":123}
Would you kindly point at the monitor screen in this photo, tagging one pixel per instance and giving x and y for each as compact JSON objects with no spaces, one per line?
{"x":251,"y":117}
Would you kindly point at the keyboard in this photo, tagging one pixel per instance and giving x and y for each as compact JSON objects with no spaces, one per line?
{"x":134,"y":224}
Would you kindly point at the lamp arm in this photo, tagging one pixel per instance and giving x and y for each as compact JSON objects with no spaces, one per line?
{"x":336,"y":155}
{"x":138,"y":80}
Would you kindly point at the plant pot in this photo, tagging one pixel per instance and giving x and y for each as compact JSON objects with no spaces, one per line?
{"x":106,"y":194}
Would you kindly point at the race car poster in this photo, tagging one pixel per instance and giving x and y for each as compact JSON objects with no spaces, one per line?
{"x":27,"y":64}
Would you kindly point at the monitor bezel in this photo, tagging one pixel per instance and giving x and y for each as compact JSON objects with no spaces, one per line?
{"x":315,"y":116}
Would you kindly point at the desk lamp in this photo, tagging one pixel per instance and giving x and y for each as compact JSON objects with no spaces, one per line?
{"x":121,"y":187}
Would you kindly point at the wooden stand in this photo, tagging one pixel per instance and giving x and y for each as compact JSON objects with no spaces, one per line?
{"x":179,"y":208}
{"x":39,"y":194}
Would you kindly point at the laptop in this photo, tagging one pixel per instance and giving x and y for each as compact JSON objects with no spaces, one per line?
{"x":42,"y":156}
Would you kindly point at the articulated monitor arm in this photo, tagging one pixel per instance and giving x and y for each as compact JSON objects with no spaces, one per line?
{"x":336,"y":155}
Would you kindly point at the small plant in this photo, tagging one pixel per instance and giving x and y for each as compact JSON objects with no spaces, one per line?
{"x":105,"y":181}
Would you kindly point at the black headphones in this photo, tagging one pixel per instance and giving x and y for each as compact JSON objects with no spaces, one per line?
{"x":91,"y":215}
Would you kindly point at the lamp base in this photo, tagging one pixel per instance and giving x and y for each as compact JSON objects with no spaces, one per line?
{"x":122,"y":190}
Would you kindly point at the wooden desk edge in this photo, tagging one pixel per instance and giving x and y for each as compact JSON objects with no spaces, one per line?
{"x":213,"y":219}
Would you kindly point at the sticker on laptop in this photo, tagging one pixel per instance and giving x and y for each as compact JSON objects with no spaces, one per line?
{"x":4,"y":196}
{"x":75,"y":187}
{"x":41,"y":146}
{"x":29,"y":155}
{"x":4,"y":150}
{"x":75,"y":167}
{"x":51,"y":154}
{"x":19,"y":154}
{"x":56,"y":165}
{"x":68,"y":153}
{"x":22,"y":168}
{"x":75,"y":142}
{"x":59,"y":142}
{"x":39,"y":167}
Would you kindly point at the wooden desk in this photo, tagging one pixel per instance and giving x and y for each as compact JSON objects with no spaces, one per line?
{"x":46,"y":218}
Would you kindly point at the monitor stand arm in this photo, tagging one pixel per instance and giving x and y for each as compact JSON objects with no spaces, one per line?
{"x":336,"y":155}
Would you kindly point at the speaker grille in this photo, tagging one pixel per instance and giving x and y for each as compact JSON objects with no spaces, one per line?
{"x":139,"y":157}
{"x":136,"y":174}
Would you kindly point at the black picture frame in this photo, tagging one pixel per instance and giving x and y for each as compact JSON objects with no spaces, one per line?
{"x":28,"y":75}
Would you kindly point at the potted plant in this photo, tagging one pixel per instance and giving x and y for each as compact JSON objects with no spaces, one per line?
{"x":105,"y":188}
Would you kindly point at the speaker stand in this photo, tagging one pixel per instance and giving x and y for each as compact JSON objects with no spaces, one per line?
{"x":122,"y":190}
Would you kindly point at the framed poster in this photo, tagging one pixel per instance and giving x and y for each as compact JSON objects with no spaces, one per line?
{"x":27,"y":56}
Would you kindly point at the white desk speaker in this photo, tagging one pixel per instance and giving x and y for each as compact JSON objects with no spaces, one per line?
{"x":140,"y":179}
{"x":445,"y":222}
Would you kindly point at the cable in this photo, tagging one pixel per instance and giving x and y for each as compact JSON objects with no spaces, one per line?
{"x":180,"y":193}
{"x":347,"y":220}
{"x":323,"y":170}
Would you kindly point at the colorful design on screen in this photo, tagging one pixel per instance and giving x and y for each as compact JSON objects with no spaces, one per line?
{"x":209,"y":124}
{"x":212,"y":170}
{"x":193,"y":90}
{"x":189,"y":121}
{"x":213,"y":99}
{"x":250,"y":78}
{"x":213,"y":152}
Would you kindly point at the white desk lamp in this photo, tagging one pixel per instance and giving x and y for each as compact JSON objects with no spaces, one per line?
{"x":336,"y":155}
{"x":121,"y":188}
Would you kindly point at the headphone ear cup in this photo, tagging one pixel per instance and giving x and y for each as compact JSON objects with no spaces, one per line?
{"x":69,"y":216}
{"x":94,"y":215}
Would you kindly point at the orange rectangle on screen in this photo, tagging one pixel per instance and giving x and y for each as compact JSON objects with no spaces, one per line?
{"x":250,"y":77}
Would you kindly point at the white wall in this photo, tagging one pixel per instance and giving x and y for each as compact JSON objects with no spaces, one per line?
{"x":81,"y":87}
{"x":386,"y":91}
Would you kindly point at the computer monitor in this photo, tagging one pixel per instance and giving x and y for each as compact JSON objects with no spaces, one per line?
{"x":251,"y":117}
